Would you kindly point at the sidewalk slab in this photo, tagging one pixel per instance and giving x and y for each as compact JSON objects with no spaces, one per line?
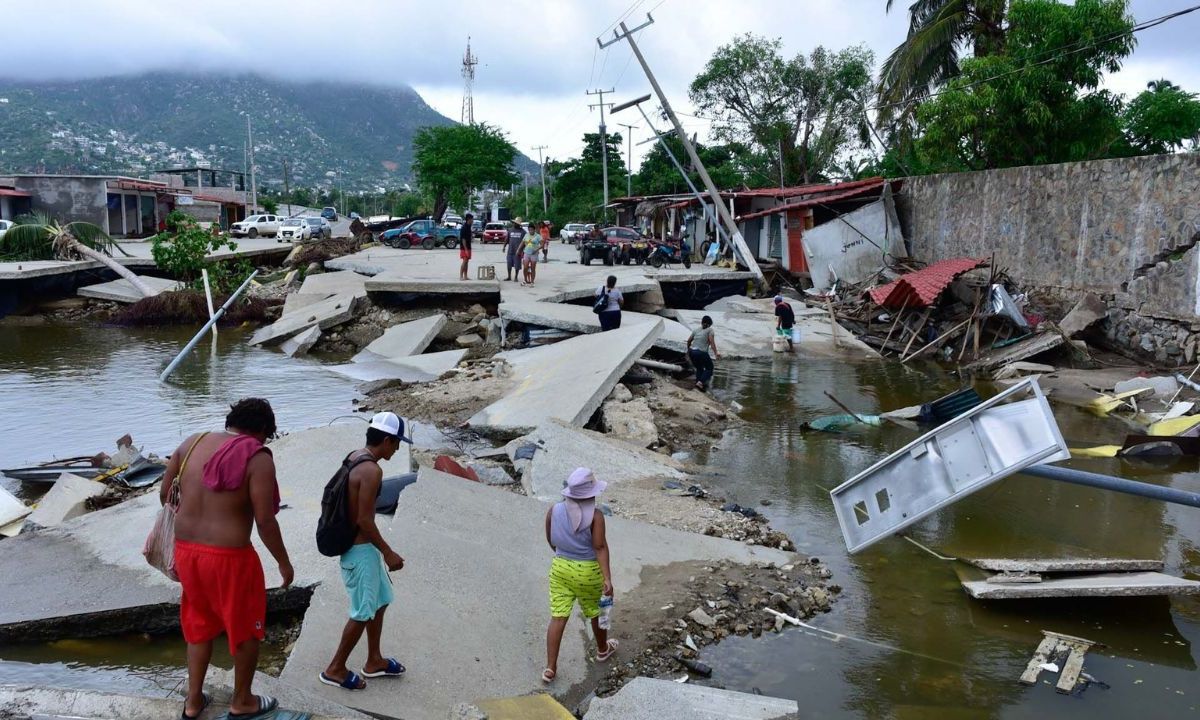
{"x":404,"y":339}
{"x":64,"y":501}
{"x":122,"y":291}
{"x":399,"y":281}
{"x":581,"y":319}
{"x":325,"y":314}
{"x":649,"y":699}
{"x":323,"y":286}
{"x":300,"y":344}
{"x":414,"y":369}
{"x":458,"y":538}
{"x":561,"y":449}
{"x":749,"y":334}
{"x":566,"y":381}
{"x":526,"y":707}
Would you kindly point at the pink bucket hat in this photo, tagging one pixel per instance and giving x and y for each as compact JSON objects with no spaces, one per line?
{"x":583,"y":485}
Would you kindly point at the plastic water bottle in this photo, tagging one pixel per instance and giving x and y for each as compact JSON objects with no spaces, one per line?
{"x":606,"y":604}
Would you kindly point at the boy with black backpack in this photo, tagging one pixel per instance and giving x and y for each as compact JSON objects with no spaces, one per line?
{"x":347,"y":529}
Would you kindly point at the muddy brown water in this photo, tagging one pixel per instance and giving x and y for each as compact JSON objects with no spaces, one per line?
{"x":915,"y":645}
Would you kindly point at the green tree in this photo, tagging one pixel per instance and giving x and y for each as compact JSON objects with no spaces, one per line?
{"x":1162,"y":118}
{"x":182,"y":251}
{"x":450,"y":162}
{"x":577,"y":194}
{"x":37,"y":237}
{"x":659,"y":176}
{"x":938,"y":32}
{"x":810,"y":108}
{"x":269,"y":204}
{"x":1034,"y":103}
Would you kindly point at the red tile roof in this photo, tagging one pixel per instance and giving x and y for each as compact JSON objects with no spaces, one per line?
{"x":921,"y":288}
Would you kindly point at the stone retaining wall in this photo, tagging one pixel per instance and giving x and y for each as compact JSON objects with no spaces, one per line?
{"x":1125,"y":229}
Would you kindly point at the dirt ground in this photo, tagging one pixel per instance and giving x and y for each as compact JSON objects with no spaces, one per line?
{"x":687,"y":419}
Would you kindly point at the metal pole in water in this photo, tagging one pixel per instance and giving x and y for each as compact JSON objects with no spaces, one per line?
{"x":208,"y":297}
{"x":1115,"y":484}
{"x":211,"y":321}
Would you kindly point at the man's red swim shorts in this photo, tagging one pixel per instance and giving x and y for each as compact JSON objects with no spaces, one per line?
{"x":223,"y":591}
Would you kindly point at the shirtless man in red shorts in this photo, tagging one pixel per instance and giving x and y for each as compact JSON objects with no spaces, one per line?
{"x":227,"y":485}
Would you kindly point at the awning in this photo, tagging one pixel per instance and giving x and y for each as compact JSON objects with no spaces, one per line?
{"x":10,"y":192}
{"x":139,"y":185}
{"x":846,"y":191}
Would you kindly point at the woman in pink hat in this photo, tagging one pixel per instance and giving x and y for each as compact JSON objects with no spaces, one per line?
{"x":579,"y":571}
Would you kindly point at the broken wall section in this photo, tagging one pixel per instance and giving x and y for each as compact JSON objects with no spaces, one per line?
{"x":1125,"y":229}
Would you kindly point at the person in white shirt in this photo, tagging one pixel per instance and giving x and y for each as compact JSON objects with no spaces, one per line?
{"x":610,"y":316}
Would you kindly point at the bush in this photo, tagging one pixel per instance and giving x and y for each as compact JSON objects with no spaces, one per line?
{"x":183,"y":252}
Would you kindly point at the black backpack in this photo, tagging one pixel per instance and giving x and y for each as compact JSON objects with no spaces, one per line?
{"x":601,"y":303}
{"x":335,"y":533}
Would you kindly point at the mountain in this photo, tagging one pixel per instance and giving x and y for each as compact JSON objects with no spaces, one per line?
{"x":135,"y":124}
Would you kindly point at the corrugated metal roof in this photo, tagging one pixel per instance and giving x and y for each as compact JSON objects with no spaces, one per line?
{"x":922,"y":287}
{"x":797,"y":190}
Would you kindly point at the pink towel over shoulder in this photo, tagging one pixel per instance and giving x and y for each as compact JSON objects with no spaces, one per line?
{"x":226,"y":469}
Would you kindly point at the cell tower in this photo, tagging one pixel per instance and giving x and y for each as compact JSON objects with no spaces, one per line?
{"x":468,"y":72}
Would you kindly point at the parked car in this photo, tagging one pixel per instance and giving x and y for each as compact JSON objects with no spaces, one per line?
{"x":630,"y":245}
{"x":255,"y":225}
{"x":5,"y":225}
{"x":319,"y":228}
{"x":572,"y":231}
{"x":329,"y":214}
{"x":495,"y":232}
{"x":354,"y":216}
{"x":420,"y":232}
{"x":295,"y":230}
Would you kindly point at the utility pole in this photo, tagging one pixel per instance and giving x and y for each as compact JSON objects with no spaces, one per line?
{"x":527,"y":195}
{"x":603,"y":141}
{"x":250,"y":150}
{"x":781,"y":185}
{"x":286,"y":190}
{"x":739,"y":243}
{"x":629,"y":161}
{"x":542,"y":165}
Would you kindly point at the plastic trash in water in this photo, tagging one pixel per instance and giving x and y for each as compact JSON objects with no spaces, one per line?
{"x":837,"y":423}
{"x":1051,"y":667}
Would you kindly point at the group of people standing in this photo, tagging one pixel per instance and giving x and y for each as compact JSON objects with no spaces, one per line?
{"x":524,"y":246}
{"x":222,"y":485}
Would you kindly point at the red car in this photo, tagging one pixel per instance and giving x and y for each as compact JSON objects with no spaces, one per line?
{"x":495,"y":232}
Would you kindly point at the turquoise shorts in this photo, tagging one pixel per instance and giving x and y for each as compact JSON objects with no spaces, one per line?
{"x":367,"y":582}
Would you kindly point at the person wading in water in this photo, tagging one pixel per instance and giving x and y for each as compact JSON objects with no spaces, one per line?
{"x":227,"y":485}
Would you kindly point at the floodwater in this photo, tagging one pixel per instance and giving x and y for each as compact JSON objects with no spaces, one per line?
{"x":913,"y":644}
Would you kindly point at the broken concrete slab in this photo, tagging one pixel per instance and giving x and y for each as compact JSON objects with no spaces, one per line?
{"x":1020,"y":368}
{"x":1087,"y":312}
{"x":219,"y":683}
{"x":1131,"y":584}
{"x":122,"y":291}
{"x":402,"y":283}
{"x":332,"y":283}
{"x":1065,"y":565}
{"x":296,"y":302}
{"x":581,"y":319}
{"x":414,"y":369}
{"x":749,"y":334}
{"x":90,"y":570}
{"x":453,"y":560}
{"x":1163,"y":386}
{"x":325,"y":314}
{"x":1025,"y":348}
{"x":566,"y":381}
{"x":561,"y":449}
{"x":525,"y":707}
{"x":404,"y":339}
{"x":300,"y":344}
{"x":11,"y":508}
{"x":67,"y":499}
{"x":645,"y":698}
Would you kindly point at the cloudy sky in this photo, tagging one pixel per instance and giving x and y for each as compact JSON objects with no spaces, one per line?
{"x":537,"y":57}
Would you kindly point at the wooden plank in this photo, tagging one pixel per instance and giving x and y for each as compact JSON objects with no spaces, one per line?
{"x":894,"y":321}
{"x":1040,"y":656}
{"x":1069,"y":677}
{"x":940,"y":339}
{"x":917,"y":332}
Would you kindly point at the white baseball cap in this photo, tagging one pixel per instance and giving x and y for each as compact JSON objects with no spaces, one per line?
{"x":390,"y":423}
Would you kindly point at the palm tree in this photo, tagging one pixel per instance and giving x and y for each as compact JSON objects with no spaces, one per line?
{"x":38,"y":237}
{"x":1161,"y":85}
{"x":938,"y":31}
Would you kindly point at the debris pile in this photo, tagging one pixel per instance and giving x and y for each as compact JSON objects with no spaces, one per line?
{"x":718,"y":600}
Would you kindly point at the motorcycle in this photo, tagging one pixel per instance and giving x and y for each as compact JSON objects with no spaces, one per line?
{"x":664,"y":253}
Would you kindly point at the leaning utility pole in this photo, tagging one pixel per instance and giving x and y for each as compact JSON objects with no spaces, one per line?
{"x":603,"y":141}
{"x":739,"y":243}
{"x":629,"y":161}
{"x":542,"y":166}
{"x":250,"y":151}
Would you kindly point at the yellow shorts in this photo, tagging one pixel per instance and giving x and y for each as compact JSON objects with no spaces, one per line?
{"x":572,"y":580}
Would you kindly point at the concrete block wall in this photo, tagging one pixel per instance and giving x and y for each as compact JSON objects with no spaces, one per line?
{"x":69,"y":199}
{"x":1126,"y":229}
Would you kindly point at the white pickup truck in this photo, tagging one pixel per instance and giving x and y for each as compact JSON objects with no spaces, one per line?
{"x":256,"y":225}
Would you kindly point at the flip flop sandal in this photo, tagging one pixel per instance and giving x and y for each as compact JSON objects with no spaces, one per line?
{"x":207,"y":700}
{"x":548,"y":676}
{"x":611,"y":649}
{"x":394,"y":669}
{"x":352,"y":681}
{"x":266,"y":706}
